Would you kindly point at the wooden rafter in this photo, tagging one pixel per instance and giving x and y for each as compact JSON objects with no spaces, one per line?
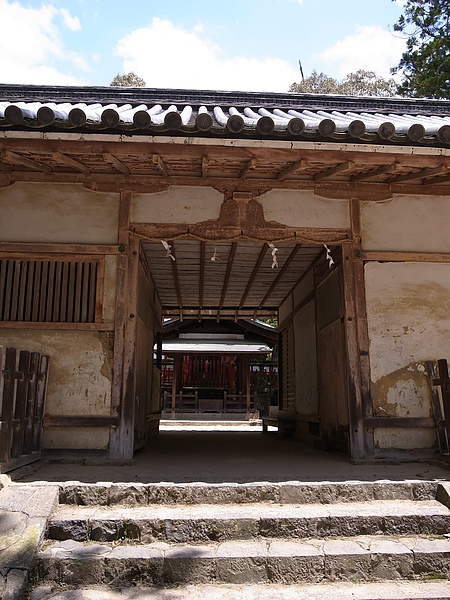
{"x":176,"y":276}
{"x":421,"y":174}
{"x":70,"y":162}
{"x":297,"y":166}
{"x":159,"y":164}
{"x":115,"y":162}
{"x":254,"y":274}
{"x":227,"y":275}
{"x":337,"y":170}
{"x":18,"y":159}
{"x":289,"y":259}
{"x":382,"y":170}
{"x":250,"y":166}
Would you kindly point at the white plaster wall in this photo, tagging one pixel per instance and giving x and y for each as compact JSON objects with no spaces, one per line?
{"x":404,"y":439}
{"x":304,"y":209}
{"x":406,"y":223}
{"x":86,"y":438}
{"x":408,"y":312}
{"x":306,"y":395}
{"x":58,"y":213}
{"x":178,"y":204}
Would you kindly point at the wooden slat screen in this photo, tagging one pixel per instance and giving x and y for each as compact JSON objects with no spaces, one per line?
{"x":288,"y":367}
{"x":54,"y":291}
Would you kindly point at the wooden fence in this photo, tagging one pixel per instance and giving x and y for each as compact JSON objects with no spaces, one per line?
{"x":23,"y":386}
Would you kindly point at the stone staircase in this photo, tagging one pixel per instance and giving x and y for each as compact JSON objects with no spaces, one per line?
{"x":343,"y":540}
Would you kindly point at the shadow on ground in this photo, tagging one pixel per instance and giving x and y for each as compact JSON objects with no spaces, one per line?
{"x":233,"y":456}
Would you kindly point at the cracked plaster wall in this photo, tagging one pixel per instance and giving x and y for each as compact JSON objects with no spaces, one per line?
{"x":178,"y":204}
{"x":79,"y":379}
{"x":304,"y":209}
{"x":406,"y":223}
{"x":58,"y":213}
{"x":408,"y":312}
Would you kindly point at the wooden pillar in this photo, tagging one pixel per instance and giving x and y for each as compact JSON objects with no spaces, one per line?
{"x":176,"y":380}
{"x":245,"y":362}
{"x":121,"y":439}
{"x":357,"y":343}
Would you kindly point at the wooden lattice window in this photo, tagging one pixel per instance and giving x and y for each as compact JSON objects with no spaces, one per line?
{"x":43,"y":291}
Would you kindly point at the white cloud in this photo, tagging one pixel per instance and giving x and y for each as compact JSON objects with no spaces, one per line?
{"x":371,"y":48}
{"x":72,"y":23}
{"x":30,"y":45}
{"x":166,"y":55}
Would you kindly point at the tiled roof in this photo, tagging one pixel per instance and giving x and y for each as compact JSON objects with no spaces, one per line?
{"x":231,"y":114}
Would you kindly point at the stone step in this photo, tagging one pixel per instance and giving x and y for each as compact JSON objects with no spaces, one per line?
{"x":203,"y":523}
{"x":231,"y":493}
{"x":387,"y":590}
{"x":275,"y":561}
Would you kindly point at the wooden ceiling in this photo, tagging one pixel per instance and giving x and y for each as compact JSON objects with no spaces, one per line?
{"x":226,"y":279}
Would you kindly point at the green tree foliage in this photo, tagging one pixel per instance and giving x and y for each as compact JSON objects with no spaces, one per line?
{"x":360,"y":83}
{"x":425,"y":65}
{"x":128,"y":80}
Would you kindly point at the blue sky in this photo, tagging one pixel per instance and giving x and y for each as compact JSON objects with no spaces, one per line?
{"x":252,"y":45}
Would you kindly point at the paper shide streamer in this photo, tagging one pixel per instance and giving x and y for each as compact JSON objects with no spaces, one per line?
{"x":168,"y":248}
{"x":329,"y":258}
{"x":274,"y":256}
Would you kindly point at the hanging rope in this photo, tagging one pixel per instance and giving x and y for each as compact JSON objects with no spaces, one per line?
{"x":234,"y":238}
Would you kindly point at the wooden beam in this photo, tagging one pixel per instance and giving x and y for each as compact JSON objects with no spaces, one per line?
{"x":205,"y":166}
{"x":338,"y":169}
{"x":297,"y":166}
{"x":382,"y":170}
{"x":159,"y":164}
{"x":43,"y":248}
{"x":426,"y":422}
{"x":71,"y":162}
{"x":18,"y":159}
{"x":111,"y":182}
{"x":420,"y":174}
{"x":116,"y":163}
{"x":167,"y":231}
{"x":56,"y":326}
{"x":80,"y":421}
{"x":289,"y":259}
{"x":429,"y":257}
{"x":438,"y":180}
{"x":250,"y":166}
{"x":254,"y":274}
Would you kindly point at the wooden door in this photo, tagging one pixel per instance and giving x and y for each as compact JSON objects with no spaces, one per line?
{"x":332,"y":358}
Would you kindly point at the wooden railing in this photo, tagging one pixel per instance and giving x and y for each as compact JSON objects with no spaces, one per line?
{"x":185,"y":403}
{"x":23,"y":386}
